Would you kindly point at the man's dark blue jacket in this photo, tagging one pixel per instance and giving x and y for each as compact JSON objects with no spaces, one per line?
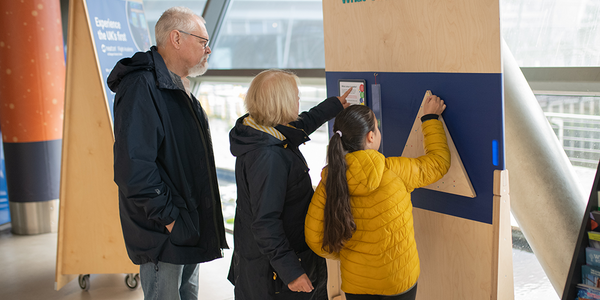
{"x":164,"y":166}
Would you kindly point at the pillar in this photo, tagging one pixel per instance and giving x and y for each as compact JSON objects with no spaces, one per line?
{"x":32,"y":79}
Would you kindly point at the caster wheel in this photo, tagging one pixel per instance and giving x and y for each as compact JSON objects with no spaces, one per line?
{"x":84,"y":281}
{"x":132,"y":281}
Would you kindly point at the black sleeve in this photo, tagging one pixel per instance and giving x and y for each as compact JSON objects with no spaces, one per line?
{"x":318,"y":115}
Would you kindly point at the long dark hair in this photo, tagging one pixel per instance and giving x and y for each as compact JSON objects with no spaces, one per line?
{"x":353,"y":123}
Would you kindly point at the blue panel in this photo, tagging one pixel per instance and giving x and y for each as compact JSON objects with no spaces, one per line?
{"x":475,"y":120}
{"x":4,"y":211}
{"x":119,"y":29}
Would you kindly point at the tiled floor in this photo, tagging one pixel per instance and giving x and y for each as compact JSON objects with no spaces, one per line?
{"x":27,"y":265}
{"x":27,"y":271}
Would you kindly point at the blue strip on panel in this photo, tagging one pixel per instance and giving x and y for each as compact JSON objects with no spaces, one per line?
{"x":495,"y":152}
{"x":474,"y":117}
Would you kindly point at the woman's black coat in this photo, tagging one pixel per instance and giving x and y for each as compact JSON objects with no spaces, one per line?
{"x":274,"y":190}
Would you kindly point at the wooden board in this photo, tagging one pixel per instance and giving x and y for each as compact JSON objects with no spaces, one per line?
{"x":477,"y":259}
{"x":462,"y":270}
{"x":334,"y":280}
{"x":456,"y":181}
{"x":412,"y":36}
{"x":90,"y":240}
{"x":504,"y":288}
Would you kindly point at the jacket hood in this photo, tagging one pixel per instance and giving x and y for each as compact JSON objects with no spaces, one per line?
{"x":243,"y":139}
{"x":149,"y":60}
{"x":364,"y":171}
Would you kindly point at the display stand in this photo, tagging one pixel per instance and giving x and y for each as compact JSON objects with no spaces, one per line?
{"x":452,"y":48}
{"x":574,"y":276}
{"x":90,"y":240}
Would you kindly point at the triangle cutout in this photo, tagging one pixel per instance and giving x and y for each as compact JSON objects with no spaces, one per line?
{"x":456,"y":181}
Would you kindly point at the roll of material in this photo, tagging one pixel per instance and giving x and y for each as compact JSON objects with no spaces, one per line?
{"x":545,"y":198}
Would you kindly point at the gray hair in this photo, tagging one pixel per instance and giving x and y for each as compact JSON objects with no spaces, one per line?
{"x":174,"y":18}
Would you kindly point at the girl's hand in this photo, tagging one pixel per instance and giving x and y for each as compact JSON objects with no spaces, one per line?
{"x":301,"y":284}
{"x":434,"y":105}
{"x":342,"y":98}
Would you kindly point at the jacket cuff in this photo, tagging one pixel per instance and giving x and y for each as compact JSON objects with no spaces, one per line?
{"x":173,"y":215}
{"x":288,"y":268}
{"x":429,"y":117}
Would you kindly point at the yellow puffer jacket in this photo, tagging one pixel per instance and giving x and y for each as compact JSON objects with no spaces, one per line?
{"x":381,"y":257}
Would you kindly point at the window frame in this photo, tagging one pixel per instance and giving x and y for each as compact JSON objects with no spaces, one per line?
{"x":575,"y":81}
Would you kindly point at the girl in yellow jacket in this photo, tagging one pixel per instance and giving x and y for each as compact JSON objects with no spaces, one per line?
{"x":361,"y":212}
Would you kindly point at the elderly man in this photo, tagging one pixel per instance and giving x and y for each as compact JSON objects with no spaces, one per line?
{"x":163,"y":160}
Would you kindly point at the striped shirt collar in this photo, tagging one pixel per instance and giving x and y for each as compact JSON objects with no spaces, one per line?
{"x":249,"y":121}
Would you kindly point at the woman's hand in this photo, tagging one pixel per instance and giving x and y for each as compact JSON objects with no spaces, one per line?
{"x":434,"y":105}
{"x":342,"y":98}
{"x":301,"y":284}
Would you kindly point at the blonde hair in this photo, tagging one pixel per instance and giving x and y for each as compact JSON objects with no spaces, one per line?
{"x":174,"y":18}
{"x":272,"y":98}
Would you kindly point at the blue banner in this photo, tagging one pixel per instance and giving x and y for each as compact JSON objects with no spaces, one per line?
{"x":4,"y":209}
{"x":120,"y":29}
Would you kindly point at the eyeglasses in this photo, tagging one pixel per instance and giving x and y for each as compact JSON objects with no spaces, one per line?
{"x":205,"y":39}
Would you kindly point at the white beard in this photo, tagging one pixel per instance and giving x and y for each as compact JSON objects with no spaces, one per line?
{"x":200,"y":68}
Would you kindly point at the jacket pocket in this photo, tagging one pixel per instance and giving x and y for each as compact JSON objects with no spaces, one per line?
{"x":185,"y":231}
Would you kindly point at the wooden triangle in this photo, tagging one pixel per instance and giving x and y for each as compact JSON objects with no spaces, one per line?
{"x":90,"y":238}
{"x":456,"y":181}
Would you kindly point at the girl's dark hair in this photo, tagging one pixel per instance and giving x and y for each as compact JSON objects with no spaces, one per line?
{"x":354,"y":123}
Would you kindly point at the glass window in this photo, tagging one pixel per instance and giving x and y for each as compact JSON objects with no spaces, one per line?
{"x":224,"y":104}
{"x":576,"y":122}
{"x":552,"y":33}
{"x":259,"y":34}
{"x":154,"y":9}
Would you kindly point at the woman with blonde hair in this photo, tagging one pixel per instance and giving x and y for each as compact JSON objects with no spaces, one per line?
{"x":271,"y":259}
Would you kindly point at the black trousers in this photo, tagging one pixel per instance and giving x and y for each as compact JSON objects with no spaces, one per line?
{"x":408,"y":295}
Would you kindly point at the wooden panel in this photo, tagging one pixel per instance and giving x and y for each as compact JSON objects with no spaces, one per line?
{"x":412,"y":36}
{"x":446,"y":46}
{"x":456,"y":181}
{"x":90,"y":240}
{"x":505,"y":287}
{"x":464,"y":259}
{"x":456,"y":257}
{"x":460,"y":259}
{"x":334,"y":280}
